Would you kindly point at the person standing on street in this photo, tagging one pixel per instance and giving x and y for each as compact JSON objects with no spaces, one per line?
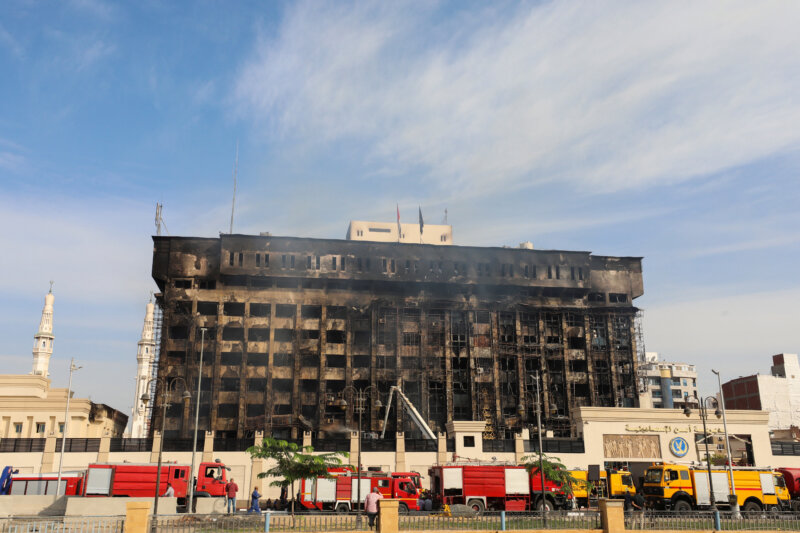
{"x":638,"y":502}
{"x":371,"y":505}
{"x":231,"y":488}
{"x":170,"y":492}
{"x":254,"y":508}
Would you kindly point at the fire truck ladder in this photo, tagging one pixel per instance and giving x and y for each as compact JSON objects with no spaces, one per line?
{"x":415,"y":416}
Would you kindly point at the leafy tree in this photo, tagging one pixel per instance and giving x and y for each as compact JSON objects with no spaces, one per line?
{"x":293,"y":462}
{"x":718,"y":459}
{"x":554,"y":471}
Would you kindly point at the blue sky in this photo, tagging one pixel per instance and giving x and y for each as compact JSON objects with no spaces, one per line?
{"x":664,"y":130}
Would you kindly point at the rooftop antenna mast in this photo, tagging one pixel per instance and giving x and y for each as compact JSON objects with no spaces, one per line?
{"x":160,"y":220}
{"x":235,"y":173}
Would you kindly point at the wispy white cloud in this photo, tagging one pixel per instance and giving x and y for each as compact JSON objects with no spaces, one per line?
{"x":773,"y":241}
{"x":203,"y":92}
{"x":739,"y":331}
{"x":92,"y":53}
{"x":95,"y":251}
{"x":537,"y":225}
{"x":12,"y":161}
{"x":95,"y":8}
{"x":606,"y":95}
{"x":11,"y":42}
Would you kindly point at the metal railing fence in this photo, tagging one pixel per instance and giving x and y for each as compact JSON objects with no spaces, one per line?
{"x":79,"y":445}
{"x":246,"y":523}
{"x":130,"y":445}
{"x":656,"y":520}
{"x":704,"y":520}
{"x":184,"y":523}
{"x":496,"y":521}
{"x":22,"y":445}
{"x":487,"y":521}
{"x":66,"y":524}
{"x":312,"y":522}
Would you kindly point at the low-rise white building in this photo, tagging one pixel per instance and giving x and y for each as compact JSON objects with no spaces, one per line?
{"x":666,"y":384}
{"x":438,"y":234}
{"x":777,"y":393}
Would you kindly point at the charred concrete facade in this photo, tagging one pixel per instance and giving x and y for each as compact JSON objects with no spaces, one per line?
{"x":291,"y":322}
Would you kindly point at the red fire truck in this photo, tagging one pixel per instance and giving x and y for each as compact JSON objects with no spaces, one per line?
{"x":307,"y":486}
{"x":494,"y":487}
{"x":71,"y":483}
{"x":792,"y":478}
{"x":125,"y":479}
{"x":139,"y":480}
{"x":340,"y":492}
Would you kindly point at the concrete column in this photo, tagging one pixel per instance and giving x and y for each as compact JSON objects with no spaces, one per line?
{"x":49,"y":454}
{"x":136,"y":515}
{"x":306,"y":438}
{"x":612,"y":516}
{"x":105,"y":447}
{"x":256,"y":466}
{"x":208,"y":447}
{"x":400,"y":452}
{"x":387,"y":516}
{"x":441,"y":448}
{"x":156,"y":444}
{"x":519,"y":444}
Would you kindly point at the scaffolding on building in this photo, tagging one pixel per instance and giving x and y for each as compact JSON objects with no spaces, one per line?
{"x":158,"y":320}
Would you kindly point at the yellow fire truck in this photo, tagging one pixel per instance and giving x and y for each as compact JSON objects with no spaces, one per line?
{"x":685,"y":487}
{"x":613,"y":484}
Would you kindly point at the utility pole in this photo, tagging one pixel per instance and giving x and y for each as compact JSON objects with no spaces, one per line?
{"x":539,"y":431}
{"x":732,"y":499}
{"x":72,"y":368}
{"x":190,"y":508}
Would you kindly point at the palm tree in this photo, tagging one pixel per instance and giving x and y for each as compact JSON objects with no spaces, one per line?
{"x":294,"y":462}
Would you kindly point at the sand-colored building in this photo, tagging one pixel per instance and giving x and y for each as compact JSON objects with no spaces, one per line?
{"x":31,"y":409}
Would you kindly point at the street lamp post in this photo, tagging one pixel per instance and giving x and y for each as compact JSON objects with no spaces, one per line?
{"x":190,"y":507}
{"x":733,"y":500}
{"x":703,"y":408}
{"x":359,"y":398}
{"x":521,"y":408}
{"x":167,"y":388}
{"x":72,"y":368}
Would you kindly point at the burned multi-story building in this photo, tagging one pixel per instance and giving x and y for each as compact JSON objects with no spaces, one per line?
{"x":294,"y":324}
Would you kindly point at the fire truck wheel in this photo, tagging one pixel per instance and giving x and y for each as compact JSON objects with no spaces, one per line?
{"x":751,"y":507}
{"x":402,"y":508}
{"x":682,"y":506}
{"x":342,"y":508}
{"x":477,"y":506}
{"x":544,"y":505}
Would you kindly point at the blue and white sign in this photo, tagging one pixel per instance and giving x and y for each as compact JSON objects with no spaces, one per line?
{"x":679,"y":447}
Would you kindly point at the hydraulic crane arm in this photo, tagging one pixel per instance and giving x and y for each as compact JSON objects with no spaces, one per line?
{"x":415,"y":415}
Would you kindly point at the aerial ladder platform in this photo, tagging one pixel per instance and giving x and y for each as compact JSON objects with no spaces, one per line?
{"x":416,"y":417}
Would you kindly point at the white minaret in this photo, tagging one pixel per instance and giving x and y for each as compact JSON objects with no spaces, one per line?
{"x":43,"y":340}
{"x":144,"y":368}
